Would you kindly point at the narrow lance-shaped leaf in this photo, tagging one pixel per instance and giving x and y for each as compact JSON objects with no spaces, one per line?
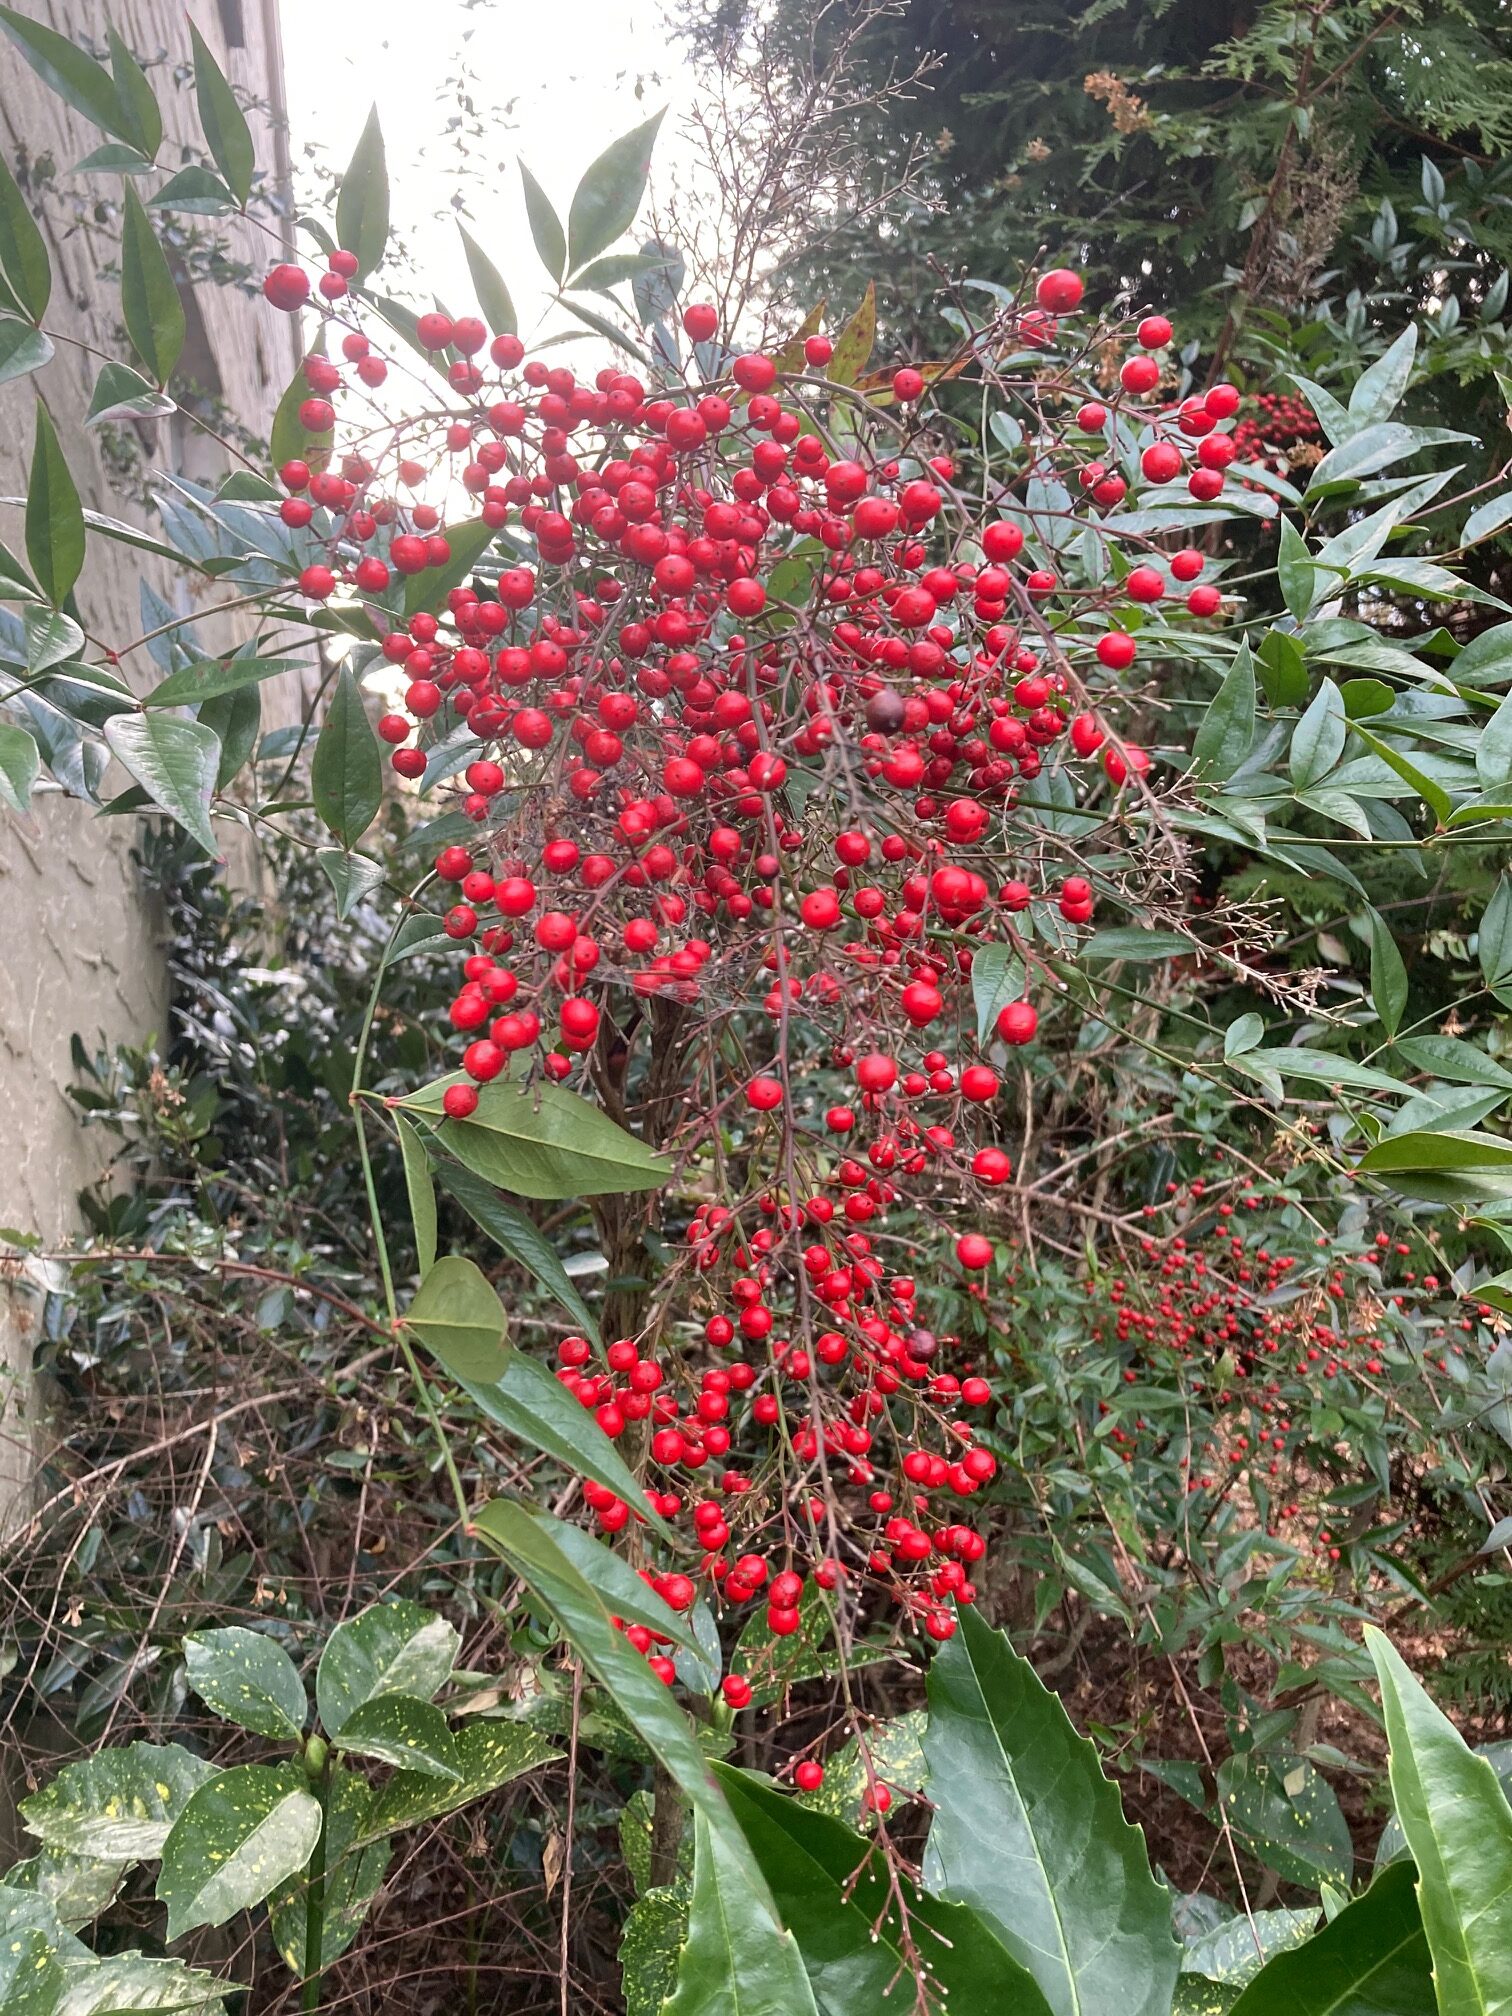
{"x":488,"y":285}
{"x":545,"y":226}
{"x":23,"y":250}
{"x":362,"y":202}
{"x":225,"y":124}
{"x":854,"y":347}
{"x":139,"y":108}
{"x":420,"y":1188}
{"x":54,"y":515}
{"x":150,"y":302}
{"x":543,"y":1141}
{"x":1388,"y":975}
{"x":346,"y":772}
{"x":515,"y":1234}
{"x":23,"y":349}
{"x":460,"y":1320}
{"x":19,"y":765}
{"x":607,"y":198}
{"x":1227,"y":730}
{"x":63,"y":66}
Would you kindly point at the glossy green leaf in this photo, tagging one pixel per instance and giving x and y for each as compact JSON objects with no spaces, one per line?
{"x":236,"y":720}
{"x":997,"y":977}
{"x":488,"y":285}
{"x":196,"y":191}
{"x":52,"y":638}
{"x":735,"y":1956}
{"x":392,"y":1648}
{"x":23,"y":349}
{"x":1388,"y":975}
{"x":346,"y":771}
{"x":1298,"y":577}
{"x":1234,"y":1952}
{"x":1129,"y":941}
{"x":853,"y":346}
{"x":460,"y":1320}
{"x":224,"y":123}
{"x":419,"y":1185}
{"x":150,"y":301}
{"x":890,"y":1753}
{"x":1289,"y":1815}
{"x":23,"y":249}
{"x":1493,"y":516}
{"x":133,"y":1984}
{"x":607,"y":198}
{"x":398,"y":1729}
{"x":118,"y":1804}
{"x":1494,"y":939}
{"x":19,"y":766}
{"x":1371,"y":1961}
{"x":1227,"y":730}
{"x":430,"y":587}
{"x":175,"y":762}
{"x":518,"y":1236}
{"x":54,"y":515}
{"x":1433,"y":795}
{"x":545,"y":226}
{"x":488,"y":1755}
{"x":355,"y":1865}
{"x":242,"y":1834}
{"x":1380,"y":389}
{"x":834,"y":1898}
{"x":62,"y":65}
{"x":139,"y":108}
{"x":353,"y":877}
{"x":543,"y":1141}
{"x":248,"y":1678}
{"x":1030,"y":1833}
{"x":362,"y":201}
{"x":208,"y":678}
{"x":650,"y":1946}
{"x":32,"y":1978}
{"x":1318,"y":739}
{"x":76,"y":1887}
{"x":123,"y":394}
{"x":1459,"y":1828}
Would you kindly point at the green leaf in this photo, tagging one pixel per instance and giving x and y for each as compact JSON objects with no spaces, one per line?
{"x":1283,"y":670}
{"x":606,"y":200}
{"x":542,"y":1141}
{"x":346,"y":772}
{"x":1233,"y":1953}
{"x":392,"y":1648}
{"x":196,"y":191}
{"x":118,"y":1804}
{"x":54,"y":516}
{"x":1374,"y":449}
{"x":1445,"y":1166}
{"x":139,"y":108}
{"x":123,"y":394}
{"x":736,"y":1957}
{"x":518,"y":1236}
{"x":63,"y":67}
{"x":1130,"y":941}
{"x":23,"y":249}
{"x":52,"y":638}
{"x":488,"y":1755}
{"x":997,"y":977}
{"x":19,"y":765}
{"x":1289,"y":1815}
{"x":418,"y":1185}
{"x":1450,"y":1057}
{"x":1493,"y":748}
{"x":836,"y":1901}
{"x":362,"y":201}
{"x":355,"y":1865}
{"x":1494,"y":939}
{"x":247,"y":1678}
{"x":1029,"y":1832}
{"x":236,"y":720}
{"x":397,"y":1729}
{"x":241,"y":1835}
{"x":460,"y":1320}
{"x":209,"y":678}
{"x":131,"y":1984}
{"x":853,"y":347}
{"x":1388,"y":975}
{"x":223,"y":121}
{"x":429,"y":588}
{"x":289,"y":440}
{"x":22,"y":348}
{"x":150,"y":301}
{"x":1492,"y":516}
{"x":32,"y":1978}
{"x":488,"y":285}
{"x":891,"y":1752}
{"x":76,"y":1887}
{"x":175,"y":762}
{"x":1295,"y":572}
{"x":545,"y":226}
{"x":1433,"y":795}
{"x":1227,"y":730}
{"x":1371,"y":1961}
{"x":1379,"y":390}
{"x":1318,"y":739}
{"x":1459,"y":1828}
{"x":650,"y":1947}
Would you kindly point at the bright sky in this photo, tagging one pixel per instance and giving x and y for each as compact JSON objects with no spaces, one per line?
{"x":553,"y":80}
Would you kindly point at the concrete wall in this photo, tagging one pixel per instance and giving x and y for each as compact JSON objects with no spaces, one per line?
{"x":82,"y":947}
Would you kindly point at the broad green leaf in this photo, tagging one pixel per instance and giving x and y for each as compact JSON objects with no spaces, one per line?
{"x":175,"y":762}
{"x":1392,"y":1846}
{"x":1234,"y":1952}
{"x":133,"y":1984}
{"x":997,"y":977}
{"x":62,"y":65}
{"x":346,"y":772}
{"x":392,"y":1648}
{"x":1283,"y":670}
{"x":1452,"y":1058}
{"x":223,"y":121}
{"x":23,"y":249}
{"x":542,"y":1141}
{"x":241,"y":1836}
{"x":418,"y":1183}
{"x":1318,"y":739}
{"x":123,"y":394}
{"x":1371,"y":1961}
{"x":1492,"y":516}
{"x":412,"y":1735}
{"x":77,"y":1887}
{"x":1029,"y":1831}
{"x":117,"y":1805}
{"x":353,"y":877}
{"x":460,"y":1320}
{"x":488,"y":285}
{"x":209,"y":678}
{"x":1379,"y":390}
{"x":1494,"y":939}
{"x":24,"y":1908}
{"x":833,"y":1896}
{"x":545,"y":226}
{"x":19,"y":765}
{"x":1388,"y":975}
{"x":355,"y":1865}
{"x":1289,"y":1815}
{"x":1459,"y":1828}
{"x":853,"y":347}
{"x":362,"y":201}
{"x":650,"y":1947}
{"x":488,"y":1755}
{"x":1449,"y":1166}
{"x":32,"y":1977}
{"x":248,"y":1678}
{"x":139,"y":108}
{"x":195,"y":190}
{"x":890,"y":1752}
{"x":54,"y":516}
{"x":1227,"y":730}
{"x":23,"y":349}
{"x":150,"y":301}
{"x":1374,"y":449}
{"x":430,"y":587}
{"x":53,"y":638}
{"x":518,"y":1236}
{"x":736,"y":1957}
{"x":607,"y":198}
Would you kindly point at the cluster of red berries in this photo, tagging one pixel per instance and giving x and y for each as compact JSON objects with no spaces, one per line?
{"x":1278,"y":427}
